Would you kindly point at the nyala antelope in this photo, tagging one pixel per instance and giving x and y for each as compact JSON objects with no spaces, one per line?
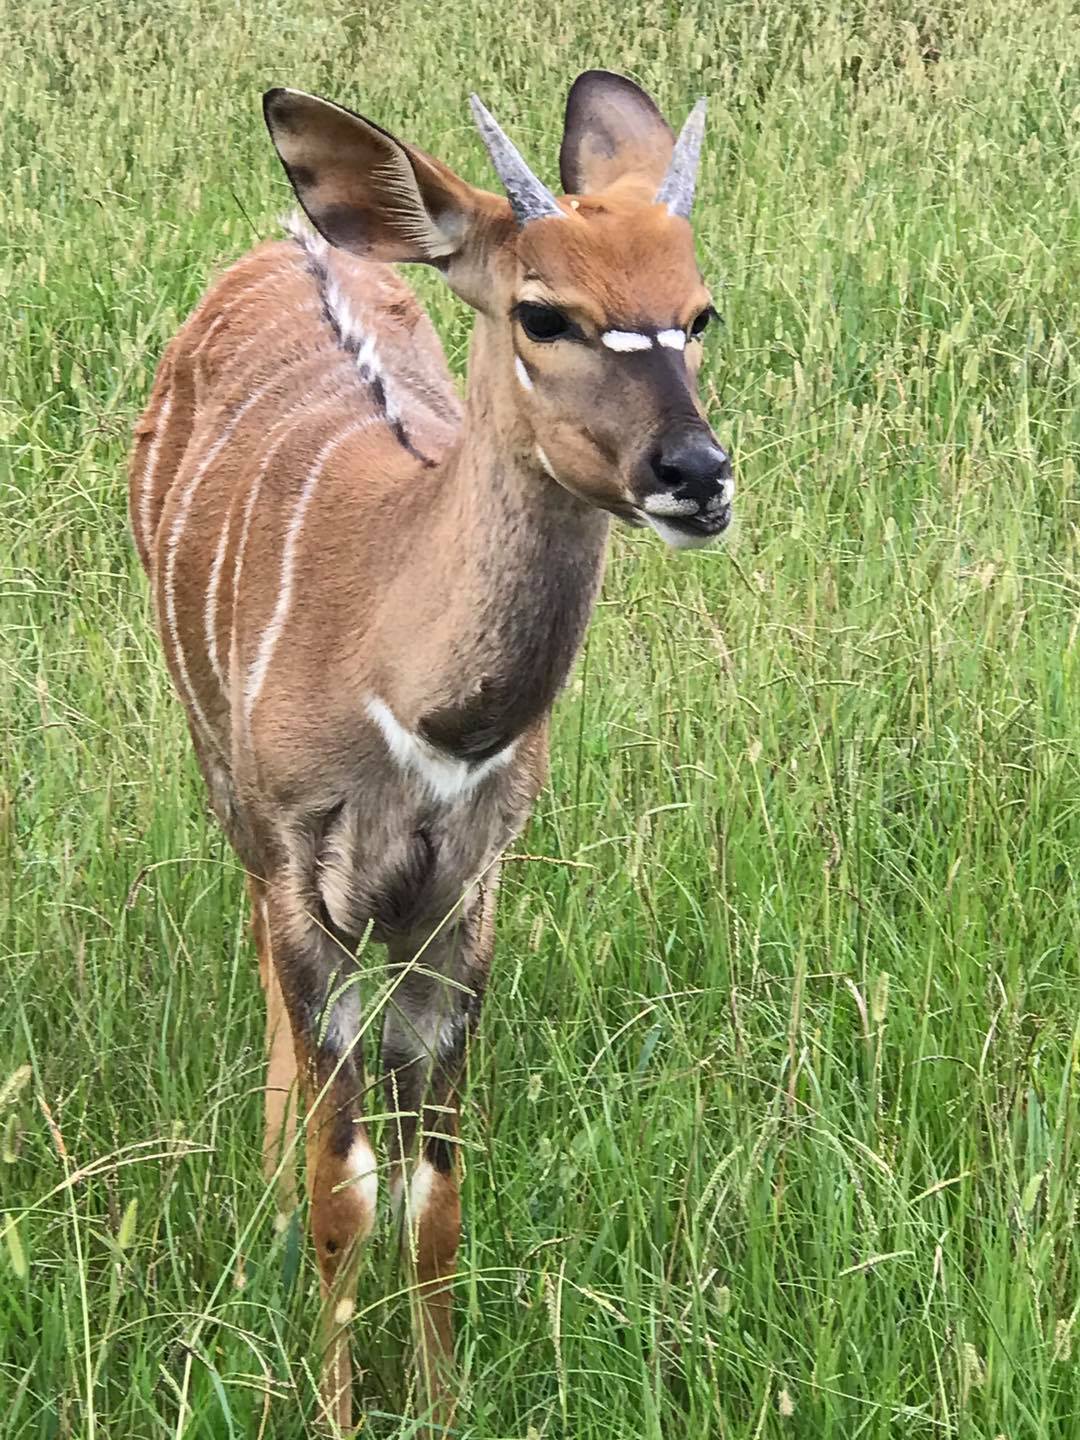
{"x":370,"y":593}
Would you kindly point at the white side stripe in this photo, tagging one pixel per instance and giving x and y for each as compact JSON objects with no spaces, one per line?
{"x":175,"y":535}
{"x":272,"y":634}
{"x":146,"y":499}
{"x":446,"y":777}
{"x":672,"y":339}
{"x":284,"y":428}
{"x":624,"y":340}
{"x":281,"y":431}
{"x":210,"y":609}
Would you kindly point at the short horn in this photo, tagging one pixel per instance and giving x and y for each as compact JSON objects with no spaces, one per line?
{"x":677,"y":187}
{"x":530,"y":199}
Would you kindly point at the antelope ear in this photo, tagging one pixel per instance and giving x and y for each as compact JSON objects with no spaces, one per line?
{"x":612,"y":129}
{"x":371,"y":194}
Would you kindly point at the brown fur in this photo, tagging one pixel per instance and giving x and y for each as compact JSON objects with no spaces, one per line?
{"x":323,"y":528}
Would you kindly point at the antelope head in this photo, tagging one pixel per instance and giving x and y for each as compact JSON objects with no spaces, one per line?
{"x":591,"y":304}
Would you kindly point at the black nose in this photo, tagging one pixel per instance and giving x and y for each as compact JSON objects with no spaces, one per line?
{"x":691,"y":459}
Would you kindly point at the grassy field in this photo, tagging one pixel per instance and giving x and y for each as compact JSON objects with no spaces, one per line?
{"x":772,"y":1125}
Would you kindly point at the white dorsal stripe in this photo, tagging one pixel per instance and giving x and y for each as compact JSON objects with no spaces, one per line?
{"x":522,"y":373}
{"x":272,"y":634}
{"x":624,"y":340}
{"x":672,"y":339}
{"x":356,"y":335}
{"x":446,"y":777}
{"x":146,"y":499}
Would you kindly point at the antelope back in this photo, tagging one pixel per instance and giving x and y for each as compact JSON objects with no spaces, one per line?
{"x":306,"y":389}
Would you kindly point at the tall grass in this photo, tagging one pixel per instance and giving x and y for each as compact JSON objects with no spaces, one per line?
{"x":772,"y":1126}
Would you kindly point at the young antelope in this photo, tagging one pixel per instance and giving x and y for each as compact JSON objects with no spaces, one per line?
{"x":370,"y":592}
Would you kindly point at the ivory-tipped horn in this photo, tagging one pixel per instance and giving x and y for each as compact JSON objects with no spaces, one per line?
{"x":530,"y":199}
{"x":677,"y":187}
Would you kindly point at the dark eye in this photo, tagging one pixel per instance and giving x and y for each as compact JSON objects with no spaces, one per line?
{"x":543,"y":323}
{"x":700,"y":322}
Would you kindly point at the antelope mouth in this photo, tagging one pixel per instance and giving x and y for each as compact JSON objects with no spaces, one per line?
{"x":686,"y":528}
{"x":691,"y":532}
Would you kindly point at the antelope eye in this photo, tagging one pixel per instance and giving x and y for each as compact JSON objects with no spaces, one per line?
{"x":701,"y":321}
{"x":543,"y":323}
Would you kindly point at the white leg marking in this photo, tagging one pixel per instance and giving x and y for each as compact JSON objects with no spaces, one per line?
{"x":146,"y":499}
{"x":664,"y":504}
{"x":397,"y":1190}
{"x":363,"y":1173}
{"x":447,"y":778}
{"x":624,"y":340}
{"x":545,"y":462}
{"x":272,"y":634}
{"x":420,"y":1188}
{"x":176,"y":534}
{"x":672,"y":339}
{"x":522,"y":373}
{"x":417,"y":1198}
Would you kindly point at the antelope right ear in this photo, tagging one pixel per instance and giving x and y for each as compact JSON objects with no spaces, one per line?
{"x":371,"y":194}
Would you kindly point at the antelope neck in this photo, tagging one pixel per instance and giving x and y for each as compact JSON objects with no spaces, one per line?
{"x":518,"y":566}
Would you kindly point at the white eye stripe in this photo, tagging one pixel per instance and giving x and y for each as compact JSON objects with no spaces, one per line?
{"x":672,"y":339}
{"x":626,"y":340}
{"x":522,"y":373}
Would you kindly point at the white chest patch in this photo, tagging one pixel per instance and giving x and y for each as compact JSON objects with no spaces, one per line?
{"x":545,"y":462}
{"x":447,"y":778}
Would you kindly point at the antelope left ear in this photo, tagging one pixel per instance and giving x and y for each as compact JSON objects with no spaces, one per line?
{"x":612,"y":129}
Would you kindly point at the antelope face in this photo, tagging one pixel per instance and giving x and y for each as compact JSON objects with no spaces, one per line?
{"x":607,"y":318}
{"x":593,"y":304}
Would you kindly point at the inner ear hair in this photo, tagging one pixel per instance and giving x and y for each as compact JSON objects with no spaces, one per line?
{"x":612,"y":129}
{"x":364,"y":190}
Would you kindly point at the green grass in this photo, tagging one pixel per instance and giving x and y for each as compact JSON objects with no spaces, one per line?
{"x":772,"y":1123}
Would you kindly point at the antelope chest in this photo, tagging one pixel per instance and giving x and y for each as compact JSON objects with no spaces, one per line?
{"x":403,"y":852}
